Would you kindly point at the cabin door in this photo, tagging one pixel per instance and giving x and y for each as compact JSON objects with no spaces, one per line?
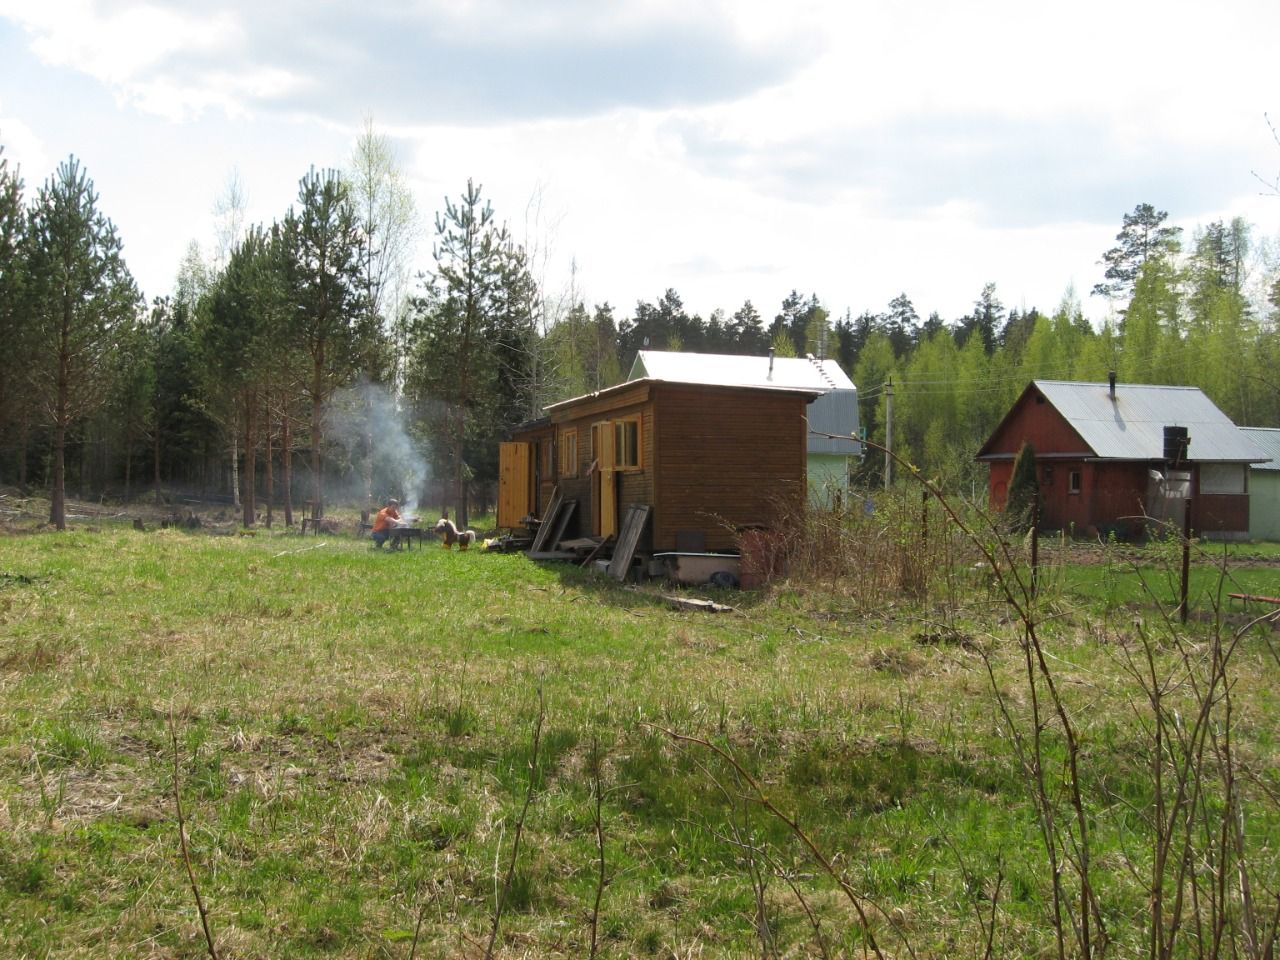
{"x":604,"y":492}
{"x":515,"y":481}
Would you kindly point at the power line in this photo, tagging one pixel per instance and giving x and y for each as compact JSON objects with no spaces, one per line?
{"x":1011,"y":378}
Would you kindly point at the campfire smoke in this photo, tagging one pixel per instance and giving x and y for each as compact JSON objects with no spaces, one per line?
{"x":367,"y":422}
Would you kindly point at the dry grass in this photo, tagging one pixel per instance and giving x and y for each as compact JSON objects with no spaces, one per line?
{"x":354,"y":732}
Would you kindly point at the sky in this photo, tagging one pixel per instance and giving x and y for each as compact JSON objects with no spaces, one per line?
{"x":730,"y":149}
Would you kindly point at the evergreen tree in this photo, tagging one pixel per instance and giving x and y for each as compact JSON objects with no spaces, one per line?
{"x":804,"y":322}
{"x":16,"y":409}
{"x":470,"y":335}
{"x":83,"y":300}
{"x":715,"y":333}
{"x":658,"y":326}
{"x":1143,"y":235}
{"x":847,"y":342}
{"x":1017,"y":329}
{"x":1022,"y":502}
{"x":901,"y":323}
{"x":322,"y":271}
{"x":986,"y":318}
{"x":787,"y":323}
{"x":932,"y":325}
{"x":238,"y":345}
{"x":746,"y":332}
{"x":180,"y":431}
{"x":603,"y":366}
{"x":131,"y":408}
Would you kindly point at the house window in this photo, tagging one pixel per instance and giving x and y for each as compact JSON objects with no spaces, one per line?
{"x":569,"y":452}
{"x":626,"y":444}
{"x":1223,"y":478}
{"x":1073,"y":481}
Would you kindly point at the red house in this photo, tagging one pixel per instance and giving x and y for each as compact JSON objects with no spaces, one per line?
{"x":1101,"y":458}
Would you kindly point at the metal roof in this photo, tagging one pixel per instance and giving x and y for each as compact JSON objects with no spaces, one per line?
{"x":1266,"y":439}
{"x":736,"y":371}
{"x":834,"y":415}
{"x":835,"y":412}
{"x":1131,"y":427}
{"x":810,"y":392}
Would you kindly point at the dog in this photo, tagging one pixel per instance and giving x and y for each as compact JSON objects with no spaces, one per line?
{"x":451,"y":534}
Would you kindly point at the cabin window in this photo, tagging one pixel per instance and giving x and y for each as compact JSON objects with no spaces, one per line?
{"x":626,"y":444}
{"x":1074,"y":481}
{"x":1222,"y":478}
{"x":569,"y":452}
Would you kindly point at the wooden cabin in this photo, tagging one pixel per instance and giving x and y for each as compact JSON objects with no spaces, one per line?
{"x":1102,"y":461}
{"x":707,"y":459}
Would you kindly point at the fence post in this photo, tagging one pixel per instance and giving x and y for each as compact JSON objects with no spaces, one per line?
{"x":1186,"y":559}
{"x":1035,"y":545}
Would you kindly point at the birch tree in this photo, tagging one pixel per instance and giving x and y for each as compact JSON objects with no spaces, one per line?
{"x":388,"y":227}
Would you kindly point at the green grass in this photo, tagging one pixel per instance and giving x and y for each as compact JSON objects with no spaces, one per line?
{"x":354,"y":736}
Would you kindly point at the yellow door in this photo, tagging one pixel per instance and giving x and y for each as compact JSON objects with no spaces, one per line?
{"x":514,"y":484}
{"x":604,"y":498}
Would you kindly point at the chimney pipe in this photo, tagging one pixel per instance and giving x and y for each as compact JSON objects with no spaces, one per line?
{"x":1111,"y":379}
{"x":771,"y":363}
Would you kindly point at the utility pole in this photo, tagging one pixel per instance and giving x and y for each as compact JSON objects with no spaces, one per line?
{"x":888,"y":433}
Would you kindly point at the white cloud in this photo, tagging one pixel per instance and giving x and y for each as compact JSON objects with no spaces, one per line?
{"x":117,"y":47}
{"x":731,"y":149}
{"x":23,"y":149}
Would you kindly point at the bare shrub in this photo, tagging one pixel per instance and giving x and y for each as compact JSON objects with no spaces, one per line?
{"x":871,"y":548}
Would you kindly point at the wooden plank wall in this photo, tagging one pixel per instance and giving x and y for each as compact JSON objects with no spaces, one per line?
{"x":1038,"y":422}
{"x":725,"y":458}
{"x":633,"y":486}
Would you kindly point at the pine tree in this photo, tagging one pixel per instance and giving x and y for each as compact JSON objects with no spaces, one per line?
{"x":745,"y":332}
{"x":15,"y":334}
{"x":238,"y":344}
{"x":82,"y":300}
{"x":462,"y":316}
{"x":325,"y":289}
{"x":987,"y":317}
{"x":1143,"y":235}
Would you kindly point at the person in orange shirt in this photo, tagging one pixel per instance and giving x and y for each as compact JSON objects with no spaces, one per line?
{"x":384,"y":524}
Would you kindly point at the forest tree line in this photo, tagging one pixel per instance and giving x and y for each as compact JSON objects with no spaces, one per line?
{"x":259,"y":375}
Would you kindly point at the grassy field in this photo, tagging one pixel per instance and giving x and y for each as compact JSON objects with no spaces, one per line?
{"x":362,"y":740}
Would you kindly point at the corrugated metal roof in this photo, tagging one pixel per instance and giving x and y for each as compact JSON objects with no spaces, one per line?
{"x":835,"y":412}
{"x":1131,"y":427}
{"x":736,"y":371}
{"x":628,"y":384}
{"x":1266,"y":439}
